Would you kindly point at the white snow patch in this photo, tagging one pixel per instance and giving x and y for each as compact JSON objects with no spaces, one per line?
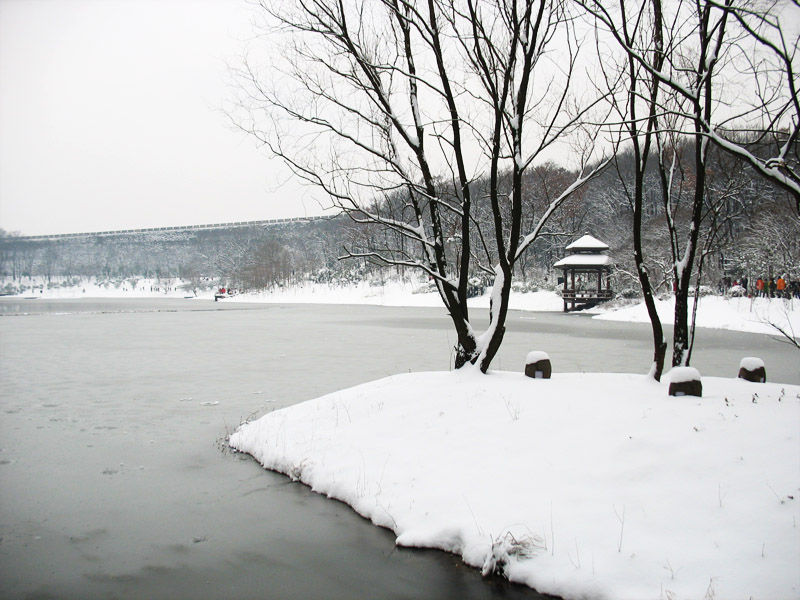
{"x":611,"y":487}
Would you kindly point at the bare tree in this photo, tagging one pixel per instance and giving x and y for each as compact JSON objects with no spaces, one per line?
{"x":268,"y":264}
{"x":701,"y":52}
{"x":396,"y":109}
{"x":635,"y":95}
{"x":766,"y":58}
{"x":229,"y":256}
{"x":760,"y":79}
{"x":783,"y":326}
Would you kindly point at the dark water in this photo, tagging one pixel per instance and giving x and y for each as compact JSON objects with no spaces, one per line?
{"x":113,"y":414}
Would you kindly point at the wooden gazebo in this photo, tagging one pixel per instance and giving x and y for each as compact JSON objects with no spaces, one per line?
{"x":587,"y":273}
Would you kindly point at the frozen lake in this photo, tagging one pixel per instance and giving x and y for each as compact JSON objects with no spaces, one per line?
{"x":112,"y":481}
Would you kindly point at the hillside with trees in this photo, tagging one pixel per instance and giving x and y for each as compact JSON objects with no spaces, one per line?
{"x":754,"y":233}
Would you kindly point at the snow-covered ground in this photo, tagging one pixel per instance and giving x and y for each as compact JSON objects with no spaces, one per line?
{"x":720,"y":312}
{"x":584,"y":485}
{"x":93,"y":287}
{"x":393,"y":293}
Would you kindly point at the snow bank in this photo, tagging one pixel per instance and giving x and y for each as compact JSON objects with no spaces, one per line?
{"x":92,"y":287}
{"x":393,"y":293}
{"x":753,"y":315}
{"x":583,"y":485}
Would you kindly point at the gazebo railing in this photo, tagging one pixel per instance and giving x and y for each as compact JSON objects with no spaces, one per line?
{"x":573,"y":294}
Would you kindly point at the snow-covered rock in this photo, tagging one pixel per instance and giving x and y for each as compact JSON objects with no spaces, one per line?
{"x":752,"y":369}
{"x":683,"y":374}
{"x":535,"y":356}
{"x":751,"y":363}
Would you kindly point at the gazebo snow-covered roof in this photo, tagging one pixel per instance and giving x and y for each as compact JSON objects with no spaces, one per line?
{"x":587,"y":243}
{"x":583,"y":260}
{"x":587,"y":273}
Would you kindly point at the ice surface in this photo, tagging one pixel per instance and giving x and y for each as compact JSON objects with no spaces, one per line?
{"x":112,"y":482}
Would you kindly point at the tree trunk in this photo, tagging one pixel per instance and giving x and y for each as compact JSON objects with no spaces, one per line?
{"x":466,"y":345}
{"x":498,"y":310}
{"x":680,"y":333}
{"x":659,"y":343}
{"x":641,"y":156}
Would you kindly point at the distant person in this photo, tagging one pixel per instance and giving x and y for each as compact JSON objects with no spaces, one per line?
{"x":759,"y":287}
{"x":771,"y":287}
{"x":780,"y":286}
{"x":744,"y":285}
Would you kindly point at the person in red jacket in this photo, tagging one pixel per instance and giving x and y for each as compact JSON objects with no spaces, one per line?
{"x":759,"y":287}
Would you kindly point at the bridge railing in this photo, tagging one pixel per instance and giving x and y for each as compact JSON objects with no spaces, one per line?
{"x":261,"y":223}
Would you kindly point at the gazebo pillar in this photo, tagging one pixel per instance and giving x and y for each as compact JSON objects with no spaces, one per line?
{"x":572,"y":272}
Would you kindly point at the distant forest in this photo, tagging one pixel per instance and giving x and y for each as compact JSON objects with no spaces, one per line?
{"x":751,"y":230}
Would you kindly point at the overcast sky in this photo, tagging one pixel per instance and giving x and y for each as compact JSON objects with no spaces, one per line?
{"x":110,"y":118}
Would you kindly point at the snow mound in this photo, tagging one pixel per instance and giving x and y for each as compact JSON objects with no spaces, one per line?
{"x":583,"y":485}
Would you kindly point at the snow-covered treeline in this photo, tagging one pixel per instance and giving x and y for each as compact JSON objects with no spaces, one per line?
{"x":252,"y":258}
{"x":759,"y":236}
